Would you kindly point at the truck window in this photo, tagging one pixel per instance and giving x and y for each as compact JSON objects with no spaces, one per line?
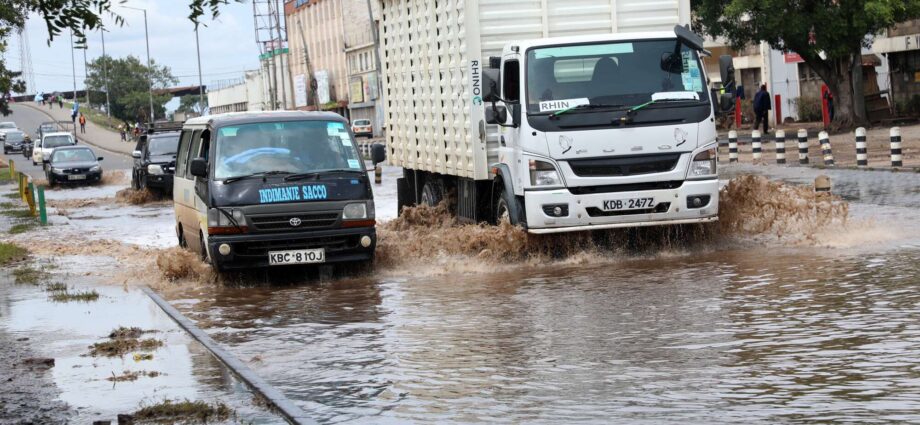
{"x":193,"y":152}
{"x":182,"y":158}
{"x":511,"y":81}
{"x":284,"y":147}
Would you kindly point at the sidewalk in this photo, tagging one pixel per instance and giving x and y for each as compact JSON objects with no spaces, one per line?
{"x":95,"y":135}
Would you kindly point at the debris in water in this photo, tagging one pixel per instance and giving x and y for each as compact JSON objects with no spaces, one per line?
{"x":130,"y":376}
{"x":135,"y":197}
{"x":55,"y":287}
{"x":132,"y":332}
{"x":84,"y":296}
{"x":122,"y":341}
{"x":142,"y":356}
{"x":186,"y":411}
{"x":178,"y":263}
{"x":115,"y":177}
{"x":39,"y":362}
{"x":29,"y":275}
{"x":754,"y":205}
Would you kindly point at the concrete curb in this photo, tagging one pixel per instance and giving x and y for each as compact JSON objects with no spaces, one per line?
{"x":78,"y":136}
{"x":284,"y":407}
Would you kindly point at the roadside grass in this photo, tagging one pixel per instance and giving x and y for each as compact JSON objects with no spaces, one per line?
{"x":186,"y":411}
{"x":82,"y":296}
{"x":8,"y":205}
{"x":123,"y":332}
{"x":10,"y":253}
{"x":30,"y":275}
{"x":99,"y":119}
{"x":56,"y":287}
{"x":17,"y":213}
{"x":14,"y":195}
{"x":123,"y":340}
{"x":23,"y":227}
{"x":5,"y":175}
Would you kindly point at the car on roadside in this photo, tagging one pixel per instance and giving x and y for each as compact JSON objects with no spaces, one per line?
{"x":155,"y":162}
{"x":13,"y":141}
{"x":362,"y":128}
{"x":46,"y":127}
{"x":73,"y":164}
{"x":267,"y":189}
{"x":41,"y":152}
{"x":5,"y":127}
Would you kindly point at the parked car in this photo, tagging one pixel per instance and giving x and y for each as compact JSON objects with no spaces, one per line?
{"x":42,"y":151}
{"x":362,"y":128}
{"x":155,"y":162}
{"x":266,"y":189}
{"x":71,"y":164}
{"x":5,"y":127}
{"x":13,"y":141}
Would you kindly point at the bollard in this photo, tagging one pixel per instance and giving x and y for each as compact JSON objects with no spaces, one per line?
{"x":378,"y":174}
{"x":30,"y":199}
{"x":822,"y":183}
{"x":756,"y":146}
{"x":42,"y":212}
{"x":12,"y":169}
{"x":780,"y":147}
{"x":723,"y":144}
{"x":862,"y":154}
{"x":732,"y":146}
{"x":826,"y":151}
{"x":896,"y":159}
{"x":803,"y":147}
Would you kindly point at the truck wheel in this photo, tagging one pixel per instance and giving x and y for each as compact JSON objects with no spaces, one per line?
{"x":432,"y":193}
{"x":141,"y":183}
{"x":203,"y":248}
{"x":134,"y":182}
{"x":505,"y":207}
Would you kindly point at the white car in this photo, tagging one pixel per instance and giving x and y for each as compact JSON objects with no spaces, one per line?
{"x":6,"y":126}
{"x":42,"y":150}
{"x":362,"y":128}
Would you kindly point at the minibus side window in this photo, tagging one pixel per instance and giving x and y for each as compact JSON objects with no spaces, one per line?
{"x":193,"y":153}
{"x":182,"y":157}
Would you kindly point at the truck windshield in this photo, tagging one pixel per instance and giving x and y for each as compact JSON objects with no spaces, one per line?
{"x":56,"y":141}
{"x":163,"y":145}
{"x":284,"y":147}
{"x":609,"y":74}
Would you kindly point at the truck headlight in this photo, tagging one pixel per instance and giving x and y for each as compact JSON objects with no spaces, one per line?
{"x":704,"y":163}
{"x":356,"y":211}
{"x":223,"y":221}
{"x":543,"y":173}
{"x":154,"y":169}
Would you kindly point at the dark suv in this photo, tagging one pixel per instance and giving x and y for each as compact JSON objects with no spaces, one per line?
{"x":155,"y":162}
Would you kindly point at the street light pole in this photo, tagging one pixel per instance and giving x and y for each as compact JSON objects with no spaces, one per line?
{"x":73,"y":64}
{"x":105,"y":75}
{"x":149,"y":66}
{"x":200,"y":83}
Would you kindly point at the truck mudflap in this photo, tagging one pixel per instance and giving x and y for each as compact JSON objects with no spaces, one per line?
{"x":572,"y":210}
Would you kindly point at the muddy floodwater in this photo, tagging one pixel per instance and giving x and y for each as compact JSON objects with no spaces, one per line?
{"x":743,"y":330}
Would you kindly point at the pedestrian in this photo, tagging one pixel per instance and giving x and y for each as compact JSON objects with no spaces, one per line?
{"x":121,"y":130}
{"x":82,"y":123}
{"x":61,"y":102}
{"x":51,"y":102}
{"x":830,"y":103}
{"x":762,"y":108}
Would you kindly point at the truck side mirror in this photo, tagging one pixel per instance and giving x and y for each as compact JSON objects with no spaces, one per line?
{"x":199,"y":167}
{"x":727,"y":70}
{"x":491,"y":91}
{"x":378,"y":153}
{"x":496,"y":115}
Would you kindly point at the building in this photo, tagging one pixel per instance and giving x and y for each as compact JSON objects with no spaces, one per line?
{"x":254,"y":91}
{"x":900,"y":47}
{"x":315,"y":30}
{"x":361,"y":63}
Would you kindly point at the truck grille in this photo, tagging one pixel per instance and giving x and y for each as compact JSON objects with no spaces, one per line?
{"x":624,"y":166}
{"x":330,"y":243}
{"x":632,"y":187}
{"x":283,"y":222}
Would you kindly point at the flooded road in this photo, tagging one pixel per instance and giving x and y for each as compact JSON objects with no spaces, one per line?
{"x":731,"y":331}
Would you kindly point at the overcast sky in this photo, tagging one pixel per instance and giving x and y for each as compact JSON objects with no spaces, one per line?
{"x":228,"y":44}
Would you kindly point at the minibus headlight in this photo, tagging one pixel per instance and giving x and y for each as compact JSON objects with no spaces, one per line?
{"x":704,"y":163}
{"x":219,"y":222}
{"x":356,"y":211}
{"x":543,"y":173}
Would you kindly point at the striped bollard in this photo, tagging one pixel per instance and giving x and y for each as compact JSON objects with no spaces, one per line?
{"x":733,"y":146}
{"x":826,"y":151}
{"x":862,"y":154}
{"x":896,"y":158}
{"x":780,"y":147}
{"x":756,"y":146}
{"x":723,"y":144}
{"x":803,"y":147}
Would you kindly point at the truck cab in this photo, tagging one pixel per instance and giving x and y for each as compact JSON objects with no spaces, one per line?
{"x":600,"y":132}
{"x":265,"y":189}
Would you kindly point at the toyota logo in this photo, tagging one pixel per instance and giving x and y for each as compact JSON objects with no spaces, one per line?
{"x":295,"y":222}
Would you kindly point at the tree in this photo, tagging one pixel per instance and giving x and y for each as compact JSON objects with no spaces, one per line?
{"x":128,"y":86}
{"x":828,"y":34}
{"x":78,"y":16}
{"x":189,"y":103}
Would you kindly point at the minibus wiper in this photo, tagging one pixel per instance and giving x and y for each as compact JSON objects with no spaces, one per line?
{"x":260,"y":174}
{"x":302,"y":176}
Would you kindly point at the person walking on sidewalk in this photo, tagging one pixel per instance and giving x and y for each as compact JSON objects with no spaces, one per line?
{"x":61,"y":102}
{"x":82,"y":123}
{"x":762,"y":108}
{"x":121,"y":130}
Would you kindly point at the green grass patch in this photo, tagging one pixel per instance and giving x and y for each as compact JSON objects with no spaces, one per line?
{"x":183,"y":412}
{"x":17,"y":213}
{"x":10,"y":253}
{"x":56,"y":287}
{"x":83,"y":296}
{"x":117,"y":347}
{"x":5,"y":175}
{"x":23,"y":227}
{"x":8,"y":205}
{"x":14,"y":195}
{"x":29,"y":275}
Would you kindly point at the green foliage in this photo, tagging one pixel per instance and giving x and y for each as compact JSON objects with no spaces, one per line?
{"x":189,"y":103}
{"x":809,"y":108}
{"x":79,"y":16}
{"x":10,"y":253}
{"x":128,"y":92}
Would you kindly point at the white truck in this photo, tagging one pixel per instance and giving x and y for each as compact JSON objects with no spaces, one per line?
{"x":558,"y":115}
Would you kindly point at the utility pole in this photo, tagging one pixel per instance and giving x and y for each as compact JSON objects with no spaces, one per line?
{"x":377,"y":102}
{"x":85,"y":74}
{"x":149,"y":64}
{"x":105,"y":74}
{"x":281,"y":58}
{"x":73,"y":64}
{"x":200,"y":83}
{"x":309,"y":66}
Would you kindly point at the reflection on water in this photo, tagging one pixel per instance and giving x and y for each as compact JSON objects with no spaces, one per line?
{"x":756,"y":333}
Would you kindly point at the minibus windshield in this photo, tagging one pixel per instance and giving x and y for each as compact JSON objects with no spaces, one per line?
{"x":286,"y":147}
